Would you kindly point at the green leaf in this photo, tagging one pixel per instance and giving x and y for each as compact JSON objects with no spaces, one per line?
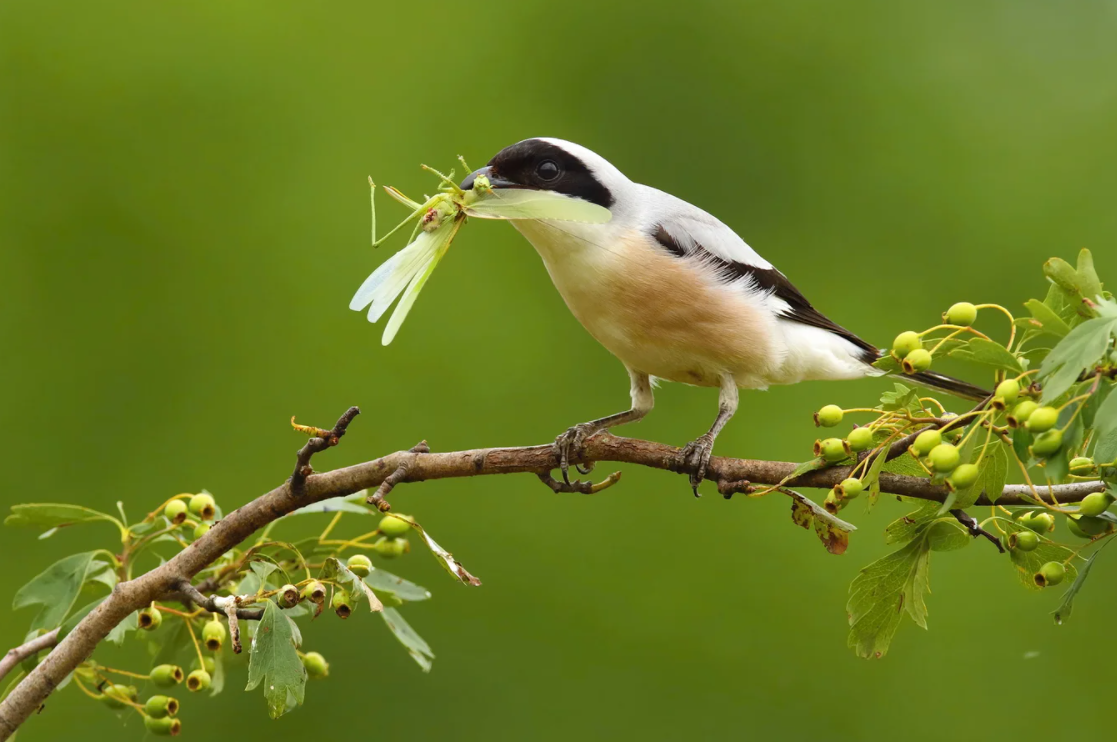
{"x":55,"y":515}
{"x":992,"y":474}
{"x":1079,"y":351}
{"x":333,"y":569}
{"x":904,"y":529}
{"x":1105,"y":431}
{"x":832,"y":531}
{"x":881,"y":594}
{"x":888,"y":364}
{"x":872,"y":478}
{"x":262,"y":568}
{"x":987,"y":353}
{"x":1050,"y":322}
{"x":274,"y":661}
{"x":947,"y":535}
{"x":1063,"y":303}
{"x":55,"y":590}
{"x":169,"y":643}
{"x":419,"y":650}
{"x":131,"y":622}
{"x":446,"y":559}
{"x":1062,"y":613}
{"x":902,"y":397}
{"x":217,"y":681}
{"x":387,"y":583}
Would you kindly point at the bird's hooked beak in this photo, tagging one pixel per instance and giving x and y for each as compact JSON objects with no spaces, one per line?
{"x":494,"y":181}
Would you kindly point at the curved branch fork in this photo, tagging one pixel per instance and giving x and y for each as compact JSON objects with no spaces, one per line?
{"x":418,"y":464}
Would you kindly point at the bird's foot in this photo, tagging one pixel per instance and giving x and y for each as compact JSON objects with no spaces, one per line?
{"x":694,"y":459}
{"x":568,"y":447}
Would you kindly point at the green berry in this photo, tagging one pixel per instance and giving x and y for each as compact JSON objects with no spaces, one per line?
{"x":954,"y":433}
{"x":208,"y":664}
{"x":944,"y":458}
{"x":1023,"y":541}
{"x":1043,"y":419}
{"x":203,"y":506}
{"x":175,"y":511}
{"x":916,"y":361}
{"x":340,"y":603}
{"x":395,"y":525}
{"x":1094,"y":503}
{"x":1039,"y":522}
{"x":160,"y":706}
{"x":316,"y":665}
{"x":860,"y":439}
{"x":905,"y":343}
{"x":1020,"y":414}
{"x":963,"y":313}
{"x":1051,"y":573}
{"x":851,"y":487}
{"x":390,"y":548}
{"x":200,"y":530}
{"x":1080,"y":464}
{"x":829,"y":416}
{"x":1009,"y":391}
{"x":926,"y":441}
{"x":150,"y":618}
{"x":213,"y":634}
{"x":831,"y":449}
{"x":833,"y":502}
{"x":359,"y":564}
{"x":116,"y":696}
{"x":964,"y":476}
{"x":198,"y":681}
{"x":315,"y":592}
{"x":163,"y":727}
{"x":166,"y":676}
{"x":1047,"y":444}
{"x":288,"y":596}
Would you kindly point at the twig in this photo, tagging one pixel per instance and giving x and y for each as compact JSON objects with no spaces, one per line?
{"x":321,"y":440}
{"x":377,"y":499}
{"x":975,"y":528}
{"x":28,"y":649}
{"x":216,"y":604}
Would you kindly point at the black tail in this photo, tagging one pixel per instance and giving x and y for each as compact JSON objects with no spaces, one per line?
{"x":948,"y":384}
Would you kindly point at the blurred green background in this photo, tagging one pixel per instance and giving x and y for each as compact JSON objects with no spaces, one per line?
{"x":184,"y":217}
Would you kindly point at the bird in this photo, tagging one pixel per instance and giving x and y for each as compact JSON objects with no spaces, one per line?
{"x":676,"y":295}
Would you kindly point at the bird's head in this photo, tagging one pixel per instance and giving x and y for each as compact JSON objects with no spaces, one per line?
{"x":545,"y":164}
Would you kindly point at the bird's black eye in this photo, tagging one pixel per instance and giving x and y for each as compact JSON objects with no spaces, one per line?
{"x":547,"y":170}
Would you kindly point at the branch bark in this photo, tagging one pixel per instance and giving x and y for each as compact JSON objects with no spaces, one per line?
{"x":418,"y":465}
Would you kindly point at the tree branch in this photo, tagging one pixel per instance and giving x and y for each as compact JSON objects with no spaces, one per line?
{"x":416,"y":465}
{"x":28,"y":649}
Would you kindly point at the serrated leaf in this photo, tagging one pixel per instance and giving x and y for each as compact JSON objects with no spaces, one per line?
{"x":274,"y":661}
{"x":881,"y":594}
{"x":1078,"y":352}
{"x":333,"y":569}
{"x":1050,"y":323}
{"x":907,"y":527}
{"x":987,"y":353}
{"x":947,"y":535}
{"x":901,"y":397}
{"x":55,"y":589}
{"x":54,"y":515}
{"x":419,"y":650}
{"x":992,"y":474}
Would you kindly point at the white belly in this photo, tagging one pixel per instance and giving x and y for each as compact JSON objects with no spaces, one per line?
{"x":674,"y":319}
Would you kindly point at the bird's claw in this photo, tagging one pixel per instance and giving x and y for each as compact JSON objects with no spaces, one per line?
{"x":694,"y":459}
{"x":569,"y":445}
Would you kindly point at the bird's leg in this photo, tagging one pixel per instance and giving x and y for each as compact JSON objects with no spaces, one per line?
{"x":695,"y":457}
{"x":569,"y":444}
